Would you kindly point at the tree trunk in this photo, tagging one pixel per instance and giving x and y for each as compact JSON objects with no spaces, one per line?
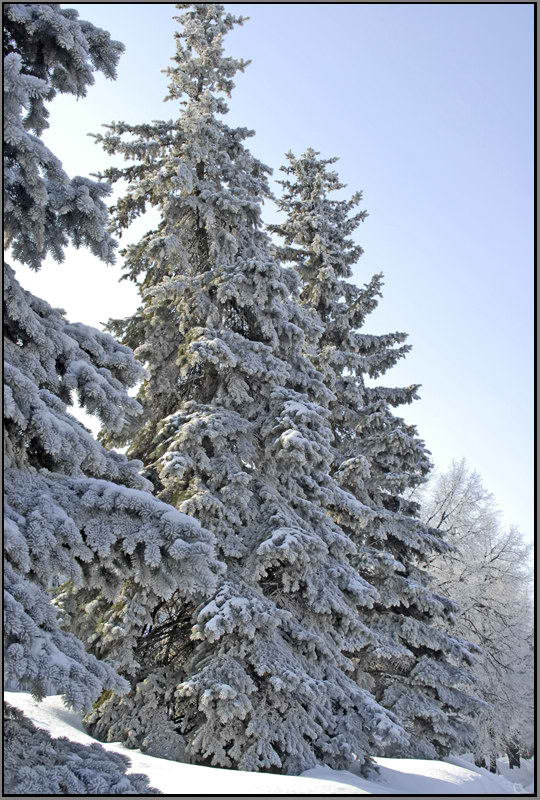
{"x":480,"y":761}
{"x":493,"y":763}
{"x":512,"y":751}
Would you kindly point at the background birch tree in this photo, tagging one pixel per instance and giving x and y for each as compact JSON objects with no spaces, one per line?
{"x":488,"y":575}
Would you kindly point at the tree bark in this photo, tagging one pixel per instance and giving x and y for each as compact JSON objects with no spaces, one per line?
{"x":512,"y":751}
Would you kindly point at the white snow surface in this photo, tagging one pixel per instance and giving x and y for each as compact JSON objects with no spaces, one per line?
{"x":523,"y":774}
{"x":398,"y":776}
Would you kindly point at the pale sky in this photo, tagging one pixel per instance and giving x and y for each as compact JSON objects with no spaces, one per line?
{"x":430,"y":109}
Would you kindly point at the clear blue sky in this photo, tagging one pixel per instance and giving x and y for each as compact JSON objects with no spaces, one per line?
{"x":430,"y":109}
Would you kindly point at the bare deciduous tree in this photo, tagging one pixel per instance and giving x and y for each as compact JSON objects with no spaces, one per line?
{"x":489,"y":576}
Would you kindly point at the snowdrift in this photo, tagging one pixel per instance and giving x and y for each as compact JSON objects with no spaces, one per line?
{"x":397,"y":776}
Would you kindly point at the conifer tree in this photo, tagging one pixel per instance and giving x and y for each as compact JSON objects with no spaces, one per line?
{"x":48,"y":50}
{"x":36,"y":764}
{"x":415,"y":668}
{"x":236,"y":434}
{"x":75,"y":513}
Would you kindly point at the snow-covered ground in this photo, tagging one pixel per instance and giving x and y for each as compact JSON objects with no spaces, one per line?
{"x":397,"y":776}
{"x":524,"y":775}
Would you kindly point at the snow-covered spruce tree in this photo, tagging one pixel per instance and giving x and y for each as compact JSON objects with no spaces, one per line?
{"x":236,"y":434}
{"x":37,"y":764}
{"x":48,"y":50}
{"x":415,"y":668}
{"x":74,"y":512}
